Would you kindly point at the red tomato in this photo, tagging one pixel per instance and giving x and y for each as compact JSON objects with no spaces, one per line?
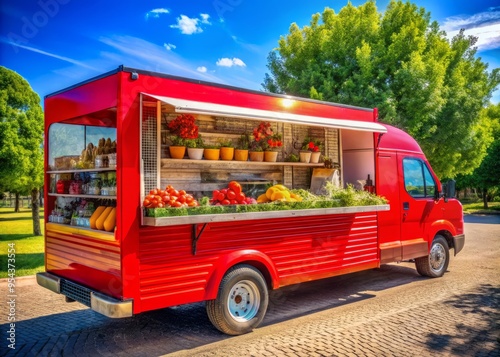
{"x":224,"y":190}
{"x":182,"y":192}
{"x":146,"y":203}
{"x":176,"y":204}
{"x":181,"y":198}
{"x":221,"y":196}
{"x":153,"y":192}
{"x":150,"y":197}
{"x":240,"y":197}
{"x":189,"y":199}
{"x":165,"y":198}
{"x":233,"y":202}
{"x":231,"y":195}
{"x":215,"y":194}
{"x":225,"y":202}
{"x":160,"y":205}
{"x":235,"y":186}
{"x":174,"y":192}
{"x":154,"y":202}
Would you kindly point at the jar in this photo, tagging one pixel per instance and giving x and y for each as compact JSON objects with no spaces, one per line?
{"x":94,"y":186}
{"x":101,"y":161}
{"x":112,"y":161}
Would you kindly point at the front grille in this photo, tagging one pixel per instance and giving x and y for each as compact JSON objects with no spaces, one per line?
{"x":75,"y":292}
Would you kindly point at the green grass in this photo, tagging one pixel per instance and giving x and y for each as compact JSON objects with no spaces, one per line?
{"x":16,"y":229}
{"x":477,"y":207}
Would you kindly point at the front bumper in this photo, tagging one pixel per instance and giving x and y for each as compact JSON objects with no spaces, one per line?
{"x":458,"y":243}
{"x":103,"y":304}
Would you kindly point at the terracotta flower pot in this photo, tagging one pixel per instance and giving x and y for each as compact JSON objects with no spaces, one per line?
{"x":315,"y":155}
{"x":241,"y":155}
{"x":256,"y":155}
{"x":305,"y":156}
{"x":195,"y":153}
{"x":211,"y":154}
{"x":177,"y":152}
{"x":226,"y":153}
{"x":270,"y":156}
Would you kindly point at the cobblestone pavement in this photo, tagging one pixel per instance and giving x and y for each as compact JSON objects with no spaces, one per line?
{"x":390,"y":311}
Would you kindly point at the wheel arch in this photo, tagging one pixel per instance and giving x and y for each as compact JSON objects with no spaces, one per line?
{"x":445,"y":229}
{"x":253,"y":258}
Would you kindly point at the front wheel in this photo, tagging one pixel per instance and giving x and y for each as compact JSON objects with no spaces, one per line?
{"x":241,"y":302}
{"x":435,"y":264}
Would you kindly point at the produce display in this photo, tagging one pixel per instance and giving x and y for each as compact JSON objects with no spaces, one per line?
{"x":279,"y":193}
{"x":277,"y":197}
{"x":170,"y":197}
{"x":232,"y":195}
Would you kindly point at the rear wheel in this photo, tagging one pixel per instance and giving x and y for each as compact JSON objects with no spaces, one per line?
{"x":435,"y":264}
{"x":241,"y":302}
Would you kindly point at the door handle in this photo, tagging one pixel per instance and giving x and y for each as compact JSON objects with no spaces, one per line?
{"x":406,"y":206}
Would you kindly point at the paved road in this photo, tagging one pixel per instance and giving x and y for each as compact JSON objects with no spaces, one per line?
{"x":390,"y":311}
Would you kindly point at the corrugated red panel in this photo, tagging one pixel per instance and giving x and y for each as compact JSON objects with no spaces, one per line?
{"x":301,"y":249}
{"x":91,"y":262}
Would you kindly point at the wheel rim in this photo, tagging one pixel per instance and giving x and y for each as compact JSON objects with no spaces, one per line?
{"x":437,"y":257}
{"x":243,"y":301}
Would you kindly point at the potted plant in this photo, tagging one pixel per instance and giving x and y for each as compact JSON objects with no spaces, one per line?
{"x":311,"y":150}
{"x":211,"y":152}
{"x":272,"y":146}
{"x":261,"y":133}
{"x":226,"y":149}
{"x":182,"y":127}
{"x":195,"y":148}
{"x":242,"y":146}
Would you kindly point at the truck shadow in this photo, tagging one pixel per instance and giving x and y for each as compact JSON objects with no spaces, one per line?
{"x":187,"y":327}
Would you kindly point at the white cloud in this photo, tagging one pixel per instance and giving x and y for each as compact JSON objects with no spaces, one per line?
{"x":169,"y":46}
{"x":228,"y":62}
{"x":156,"y":13}
{"x":484,"y":25}
{"x":204,"y":19}
{"x":202,"y":69}
{"x":187,"y":25}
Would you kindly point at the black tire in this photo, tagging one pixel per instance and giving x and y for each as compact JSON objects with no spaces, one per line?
{"x":241,"y":302}
{"x":436,"y":263}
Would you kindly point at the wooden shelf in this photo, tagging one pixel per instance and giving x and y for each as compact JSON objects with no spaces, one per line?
{"x":102,"y":197}
{"x":75,"y":171}
{"x":233,"y":163}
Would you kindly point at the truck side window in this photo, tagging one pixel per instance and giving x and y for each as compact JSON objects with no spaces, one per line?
{"x":419,"y":182}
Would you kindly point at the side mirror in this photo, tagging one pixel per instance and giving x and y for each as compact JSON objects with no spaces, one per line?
{"x":449,"y":189}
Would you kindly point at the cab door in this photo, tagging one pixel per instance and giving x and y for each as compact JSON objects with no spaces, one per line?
{"x":419,"y":205}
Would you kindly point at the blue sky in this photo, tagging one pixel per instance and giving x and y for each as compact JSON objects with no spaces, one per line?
{"x":57,"y":43}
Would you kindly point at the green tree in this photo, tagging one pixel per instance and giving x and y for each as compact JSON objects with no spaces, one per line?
{"x":486,"y":177}
{"x":400,"y":62}
{"x":21,"y":138}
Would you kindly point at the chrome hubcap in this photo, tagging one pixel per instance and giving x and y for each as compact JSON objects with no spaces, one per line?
{"x":243,"y":301}
{"x":437,"y":257}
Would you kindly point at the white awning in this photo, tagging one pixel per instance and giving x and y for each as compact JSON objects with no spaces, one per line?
{"x":195,"y":107}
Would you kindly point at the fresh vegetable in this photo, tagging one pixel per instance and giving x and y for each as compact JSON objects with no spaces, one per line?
{"x":170,"y":197}
{"x":232,"y":195}
{"x":278,"y":193}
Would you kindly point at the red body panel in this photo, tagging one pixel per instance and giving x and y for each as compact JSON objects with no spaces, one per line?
{"x":291,"y":250}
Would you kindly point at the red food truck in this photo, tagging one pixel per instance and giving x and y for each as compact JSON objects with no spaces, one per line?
{"x":107,"y":157}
